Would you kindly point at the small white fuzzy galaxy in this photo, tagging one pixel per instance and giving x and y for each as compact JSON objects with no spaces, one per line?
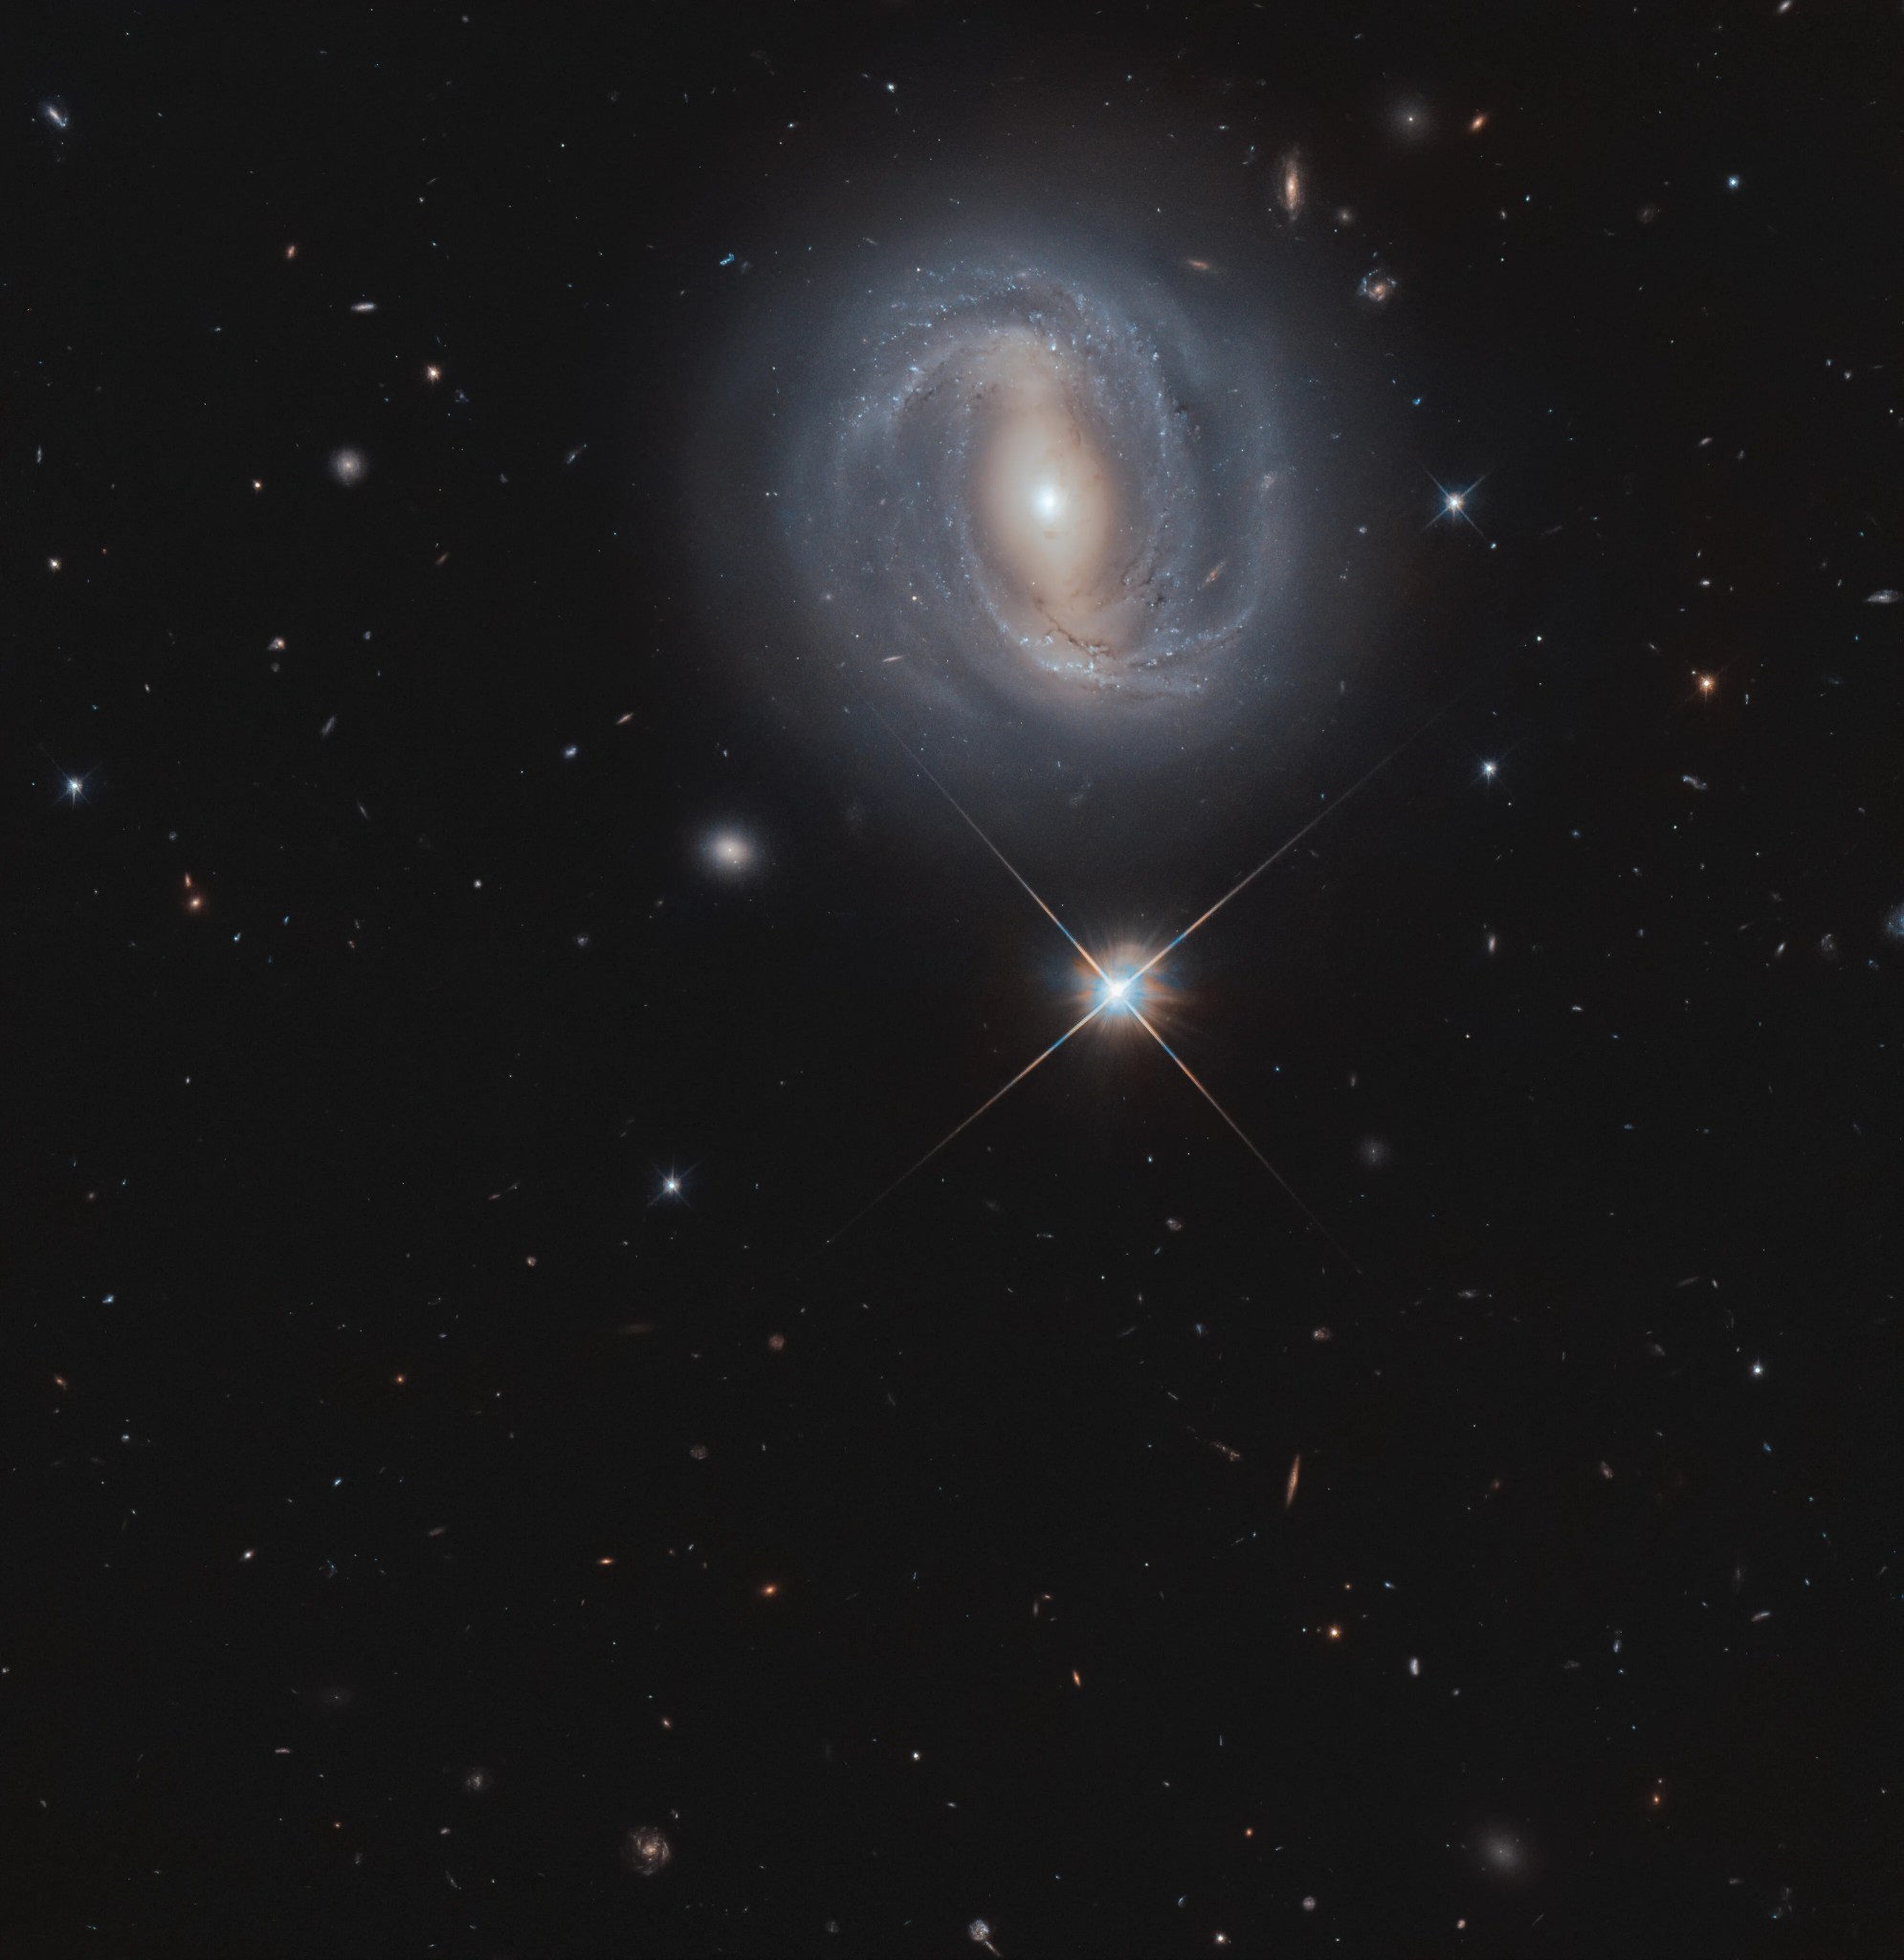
{"x":1028,"y":467}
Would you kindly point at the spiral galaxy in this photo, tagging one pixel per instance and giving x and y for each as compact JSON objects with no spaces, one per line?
{"x":1036,"y":468}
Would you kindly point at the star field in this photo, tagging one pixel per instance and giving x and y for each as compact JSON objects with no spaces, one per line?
{"x":955,"y":983}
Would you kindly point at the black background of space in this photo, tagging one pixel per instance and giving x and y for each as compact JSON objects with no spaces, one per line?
{"x":360,"y":1117}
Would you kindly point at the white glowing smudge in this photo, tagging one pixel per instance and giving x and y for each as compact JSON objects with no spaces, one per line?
{"x":730,"y":851}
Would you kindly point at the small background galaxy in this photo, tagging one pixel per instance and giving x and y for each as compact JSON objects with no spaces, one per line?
{"x":570,"y":579}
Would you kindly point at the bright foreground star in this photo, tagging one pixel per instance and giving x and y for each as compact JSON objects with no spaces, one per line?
{"x":1454,"y":503}
{"x":1122,"y":991}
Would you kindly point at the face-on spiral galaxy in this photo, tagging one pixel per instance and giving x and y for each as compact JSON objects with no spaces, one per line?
{"x":1047,"y":474}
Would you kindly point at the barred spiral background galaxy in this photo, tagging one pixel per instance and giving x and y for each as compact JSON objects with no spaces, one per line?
{"x":1025,"y":466}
